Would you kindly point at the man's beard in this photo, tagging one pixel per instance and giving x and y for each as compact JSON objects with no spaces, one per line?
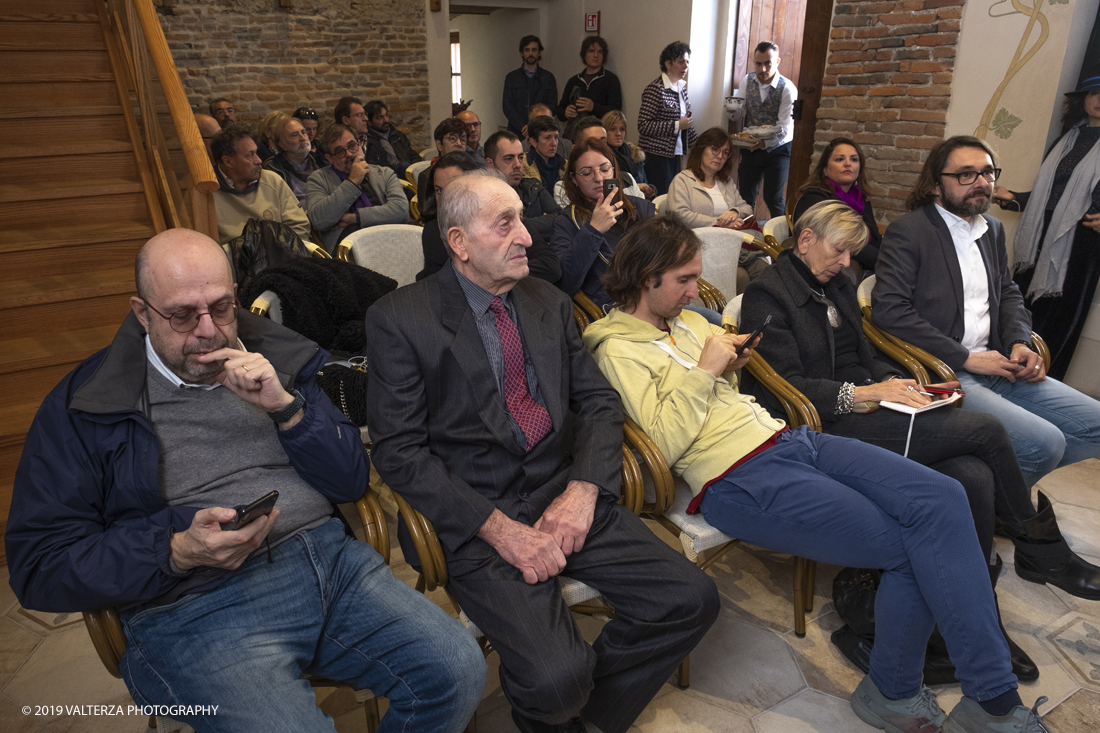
{"x":184,"y":366}
{"x":966,"y":207}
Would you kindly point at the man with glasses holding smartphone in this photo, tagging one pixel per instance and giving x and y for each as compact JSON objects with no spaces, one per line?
{"x":138,"y":456}
{"x":349,"y":194}
{"x":944,"y":284}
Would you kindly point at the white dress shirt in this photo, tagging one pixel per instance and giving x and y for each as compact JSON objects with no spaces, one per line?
{"x":683,"y":108}
{"x":965,"y":234}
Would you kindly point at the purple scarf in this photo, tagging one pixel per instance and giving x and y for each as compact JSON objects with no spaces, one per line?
{"x":362,"y":202}
{"x":853,"y":198}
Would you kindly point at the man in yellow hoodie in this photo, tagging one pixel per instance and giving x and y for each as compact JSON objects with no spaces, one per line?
{"x":806,"y":493}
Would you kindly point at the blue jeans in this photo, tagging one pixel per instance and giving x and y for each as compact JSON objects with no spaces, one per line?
{"x":1051,"y":424}
{"x":846,"y":502}
{"x":328,"y":606}
{"x":713,"y":317}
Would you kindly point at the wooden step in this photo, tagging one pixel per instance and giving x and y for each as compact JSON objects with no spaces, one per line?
{"x":30,"y":387}
{"x":25,"y":224}
{"x":39,"y":240}
{"x":22,"y":100}
{"x":47,"y":350}
{"x":68,"y":260}
{"x":49,"y":10}
{"x":39,"y":321}
{"x":49,"y":190}
{"x":47,"y":136}
{"x":81,"y":167}
{"x":35,"y":35}
{"x":36,"y":67}
{"x":37,"y":289}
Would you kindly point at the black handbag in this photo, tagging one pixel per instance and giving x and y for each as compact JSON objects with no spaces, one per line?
{"x":346,"y":386}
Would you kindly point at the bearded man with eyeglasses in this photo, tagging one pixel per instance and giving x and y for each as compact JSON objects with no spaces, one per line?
{"x":134,"y":462}
{"x":349,"y":194}
{"x":944,"y":284}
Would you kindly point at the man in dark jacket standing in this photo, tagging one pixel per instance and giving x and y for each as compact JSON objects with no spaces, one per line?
{"x":122,"y":500}
{"x":528,"y":85}
{"x":595,"y":91}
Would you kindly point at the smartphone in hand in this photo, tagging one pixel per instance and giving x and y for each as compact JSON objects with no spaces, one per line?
{"x":752,"y":337}
{"x":612,"y":187}
{"x":247,"y":513}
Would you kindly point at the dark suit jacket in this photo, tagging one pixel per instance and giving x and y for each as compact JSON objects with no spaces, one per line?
{"x":798,"y":343}
{"x":440,"y":427}
{"x":918,"y":295}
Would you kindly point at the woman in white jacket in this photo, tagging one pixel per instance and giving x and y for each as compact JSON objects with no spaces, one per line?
{"x":706,"y":195}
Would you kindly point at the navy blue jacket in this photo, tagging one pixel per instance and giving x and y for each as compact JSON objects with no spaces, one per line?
{"x":88,"y":527}
{"x":517,"y":100}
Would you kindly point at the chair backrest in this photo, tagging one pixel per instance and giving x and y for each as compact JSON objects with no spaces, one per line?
{"x":267,"y":305}
{"x":412,"y":173}
{"x":429,"y":153}
{"x":395,"y":250}
{"x":731,"y":316}
{"x":660,"y":202}
{"x":778,"y":228}
{"x":721,"y":251}
{"x":863,"y":292}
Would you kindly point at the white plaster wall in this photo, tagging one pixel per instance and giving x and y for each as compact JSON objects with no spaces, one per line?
{"x":1035,"y":95}
{"x":439,"y":62}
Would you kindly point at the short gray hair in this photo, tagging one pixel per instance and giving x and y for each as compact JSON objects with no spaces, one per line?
{"x":836,"y":223}
{"x":459,"y":204}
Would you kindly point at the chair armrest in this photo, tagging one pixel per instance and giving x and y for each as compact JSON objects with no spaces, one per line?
{"x":105,"y":628}
{"x":428,"y":549}
{"x":414,"y":208}
{"x":632,"y":493}
{"x":586,"y":304}
{"x":770,"y":246}
{"x":800,"y":411}
{"x":883,"y":343}
{"x":936,"y":367}
{"x":318,"y":251}
{"x":580,"y":317}
{"x":374,"y":523}
{"x":659,"y":471}
{"x":711,"y":296}
{"x":1041,"y":349}
{"x":343,"y":252}
{"x":408,"y":185}
{"x":260,"y":306}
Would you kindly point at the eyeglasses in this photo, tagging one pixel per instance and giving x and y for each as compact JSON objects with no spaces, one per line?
{"x":305,"y":113}
{"x":967,"y":177}
{"x":187,"y":320}
{"x":472,"y":125}
{"x":453,"y":139}
{"x":351,"y":149}
{"x":722,"y":153}
{"x":588,"y":174}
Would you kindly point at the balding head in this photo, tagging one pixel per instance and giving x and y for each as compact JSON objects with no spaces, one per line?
{"x":183,"y":273}
{"x":208,"y":128}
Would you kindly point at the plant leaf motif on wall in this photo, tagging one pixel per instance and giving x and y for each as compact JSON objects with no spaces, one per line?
{"x":1004,"y":122}
{"x":1058,"y":2}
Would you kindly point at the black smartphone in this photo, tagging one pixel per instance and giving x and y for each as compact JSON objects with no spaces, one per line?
{"x":245,"y":514}
{"x":612,"y":187}
{"x":752,"y":337}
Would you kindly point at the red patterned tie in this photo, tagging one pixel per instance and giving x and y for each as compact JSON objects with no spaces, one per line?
{"x":532,"y":417}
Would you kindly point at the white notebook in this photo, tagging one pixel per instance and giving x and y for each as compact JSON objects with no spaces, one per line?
{"x":912,"y":412}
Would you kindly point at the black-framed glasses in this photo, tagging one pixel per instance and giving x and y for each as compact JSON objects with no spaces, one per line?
{"x":967,"y":177}
{"x":187,"y":320}
{"x":352,"y":148}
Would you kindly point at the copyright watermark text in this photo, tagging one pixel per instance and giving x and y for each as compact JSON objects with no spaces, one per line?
{"x":168,"y":711}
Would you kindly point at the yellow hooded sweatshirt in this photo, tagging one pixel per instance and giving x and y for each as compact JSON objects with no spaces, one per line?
{"x":701,"y":423}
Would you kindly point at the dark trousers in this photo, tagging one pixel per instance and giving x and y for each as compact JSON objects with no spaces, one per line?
{"x":660,"y":170}
{"x":663,"y":606}
{"x":975,"y":452}
{"x":769,"y":166}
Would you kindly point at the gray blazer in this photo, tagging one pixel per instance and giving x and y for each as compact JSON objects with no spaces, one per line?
{"x":918,"y":295}
{"x":440,"y":426}
{"x":328,"y":198}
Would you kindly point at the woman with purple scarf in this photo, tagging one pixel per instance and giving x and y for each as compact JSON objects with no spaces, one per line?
{"x":839,"y":176}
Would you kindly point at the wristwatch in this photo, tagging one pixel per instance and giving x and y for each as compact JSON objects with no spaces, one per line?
{"x":290,"y":410}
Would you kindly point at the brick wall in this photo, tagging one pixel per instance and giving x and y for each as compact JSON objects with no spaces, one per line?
{"x":267,"y":58}
{"x":887,"y":86}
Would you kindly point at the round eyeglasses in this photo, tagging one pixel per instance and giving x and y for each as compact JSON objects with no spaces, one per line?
{"x":187,"y":320}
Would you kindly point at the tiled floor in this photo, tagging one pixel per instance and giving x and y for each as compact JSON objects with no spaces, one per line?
{"x":751,"y":673}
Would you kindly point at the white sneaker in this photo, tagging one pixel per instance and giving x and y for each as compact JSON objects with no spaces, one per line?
{"x":968,"y":717}
{"x":920,"y":714}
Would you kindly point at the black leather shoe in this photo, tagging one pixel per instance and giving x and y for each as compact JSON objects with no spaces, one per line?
{"x":529,"y":725}
{"x":1042,"y":556}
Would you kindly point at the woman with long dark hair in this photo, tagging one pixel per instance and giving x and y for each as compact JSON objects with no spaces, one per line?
{"x":840,"y":174}
{"x":1056,"y":251}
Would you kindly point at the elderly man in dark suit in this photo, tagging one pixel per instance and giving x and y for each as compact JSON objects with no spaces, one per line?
{"x":489,"y":416}
{"x":944,"y":284}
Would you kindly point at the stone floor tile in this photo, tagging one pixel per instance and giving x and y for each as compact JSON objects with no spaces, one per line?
{"x":7,"y":595}
{"x":742,"y":667}
{"x":824,"y":667}
{"x":13,"y":720}
{"x":1054,"y":681}
{"x":1077,"y":485}
{"x":64,"y":670}
{"x":680,"y":712}
{"x":42,"y":623}
{"x":498,"y":720}
{"x":1079,"y":714}
{"x":811,"y":711}
{"x":1079,"y":527}
{"x":16,"y":646}
{"x":760,"y":584}
{"x":1074,"y":640}
{"x":1025,"y":606}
